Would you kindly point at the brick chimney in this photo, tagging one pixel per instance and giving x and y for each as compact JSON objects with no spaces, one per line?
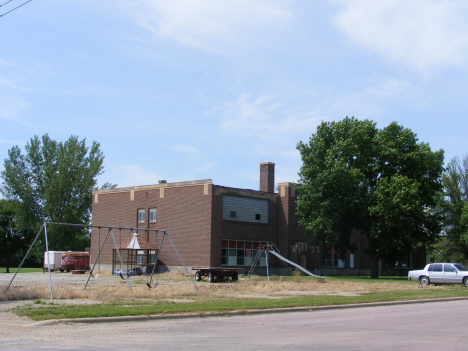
{"x":267,"y":177}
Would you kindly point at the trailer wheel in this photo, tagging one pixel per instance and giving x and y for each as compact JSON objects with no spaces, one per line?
{"x":235,"y":277}
{"x":61,"y":270}
{"x":211,"y":277}
{"x":197,"y":276}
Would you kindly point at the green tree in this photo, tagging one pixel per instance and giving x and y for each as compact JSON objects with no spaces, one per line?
{"x":453,"y":245}
{"x":11,"y":240}
{"x":53,"y":182}
{"x":381,"y":182}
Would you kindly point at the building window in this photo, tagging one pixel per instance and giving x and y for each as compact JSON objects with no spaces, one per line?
{"x":332,"y":259}
{"x":139,"y":257}
{"x":152,"y":215}
{"x":302,"y":247}
{"x":241,"y":253}
{"x":405,"y":263}
{"x":141,"y":216}
{"x":246,"y":209}
{"x":152,"y":256}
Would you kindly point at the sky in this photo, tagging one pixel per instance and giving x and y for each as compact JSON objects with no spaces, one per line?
{"x":188,"y":89}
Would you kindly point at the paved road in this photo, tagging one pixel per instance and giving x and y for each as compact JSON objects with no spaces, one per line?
{"x":425,"y":326}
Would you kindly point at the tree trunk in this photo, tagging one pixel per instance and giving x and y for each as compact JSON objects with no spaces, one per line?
{"x":7,"y":263}
{"x":374,"y":266}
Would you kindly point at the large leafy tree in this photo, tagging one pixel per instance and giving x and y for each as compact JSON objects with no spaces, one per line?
{"x":11,"y":240}
{"x":453,"y":245}
{"x":382,"y":182}
{"x":53,"y":182}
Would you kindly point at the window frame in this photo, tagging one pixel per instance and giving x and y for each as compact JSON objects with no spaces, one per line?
{"x":150,"y":212}
{"x":141,"y":213}
{"x":234,"y":253}
{"x":332,"y":259}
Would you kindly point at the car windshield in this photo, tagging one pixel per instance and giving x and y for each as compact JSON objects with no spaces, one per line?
{"x":460,"y":267}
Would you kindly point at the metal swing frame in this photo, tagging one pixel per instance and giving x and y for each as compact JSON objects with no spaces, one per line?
{"x":109,"y":230}
{"x":272,"y":249}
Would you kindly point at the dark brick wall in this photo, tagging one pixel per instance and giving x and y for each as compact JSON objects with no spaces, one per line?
{"x":290,"y":230}
{"x":184,"y":212}
{"x":267,"y":177}
{"x":236,"y":230}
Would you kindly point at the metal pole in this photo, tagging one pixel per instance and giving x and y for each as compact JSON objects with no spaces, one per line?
{"x":165,"y":233}
{"x":121,"y":262}
{"x":266,"y":254}
{"x":24,"y":258}
{"x":48,"y":259}
{"x":156,"y":261}
{"x":102,"y":226}
{"x":97,"y":257}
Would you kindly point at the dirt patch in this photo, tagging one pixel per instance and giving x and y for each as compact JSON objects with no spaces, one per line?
{"x":174,"y":286}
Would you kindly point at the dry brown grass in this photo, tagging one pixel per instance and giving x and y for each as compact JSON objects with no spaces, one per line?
{"x":176,"y":285}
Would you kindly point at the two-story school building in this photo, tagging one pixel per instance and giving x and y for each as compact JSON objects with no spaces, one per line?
{"x":214,"y":226}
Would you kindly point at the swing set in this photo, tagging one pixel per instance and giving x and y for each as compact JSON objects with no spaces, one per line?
{"x":124,"y":273}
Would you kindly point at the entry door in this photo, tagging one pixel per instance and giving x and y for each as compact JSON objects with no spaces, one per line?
{"x":451,"y":274}
{"x":437,"y":273}
{"x":304,"y":261}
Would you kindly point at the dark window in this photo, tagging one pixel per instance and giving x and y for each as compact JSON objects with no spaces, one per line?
{"x":241,"y":253}
{"x":224,"y":256}
{"x":240,"y":257}
{"x":333,"y":259}
{"x":437,"y":268}
{"x":449,"y":268}
{"x":258,"y":217}
{"x":431,"y":267}
{"x":233,"y":214}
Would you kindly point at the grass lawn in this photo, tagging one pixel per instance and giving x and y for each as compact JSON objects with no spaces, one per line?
{"x":22,"y":270}
{"x":224,"y":297}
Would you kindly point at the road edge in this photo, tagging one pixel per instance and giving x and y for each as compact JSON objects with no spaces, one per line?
{"x":234,"y":313}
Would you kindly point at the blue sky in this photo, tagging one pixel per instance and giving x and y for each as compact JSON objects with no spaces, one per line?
{"x":187,"y":90}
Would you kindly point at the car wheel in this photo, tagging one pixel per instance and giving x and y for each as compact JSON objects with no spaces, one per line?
{"x":197,"y":276}
{"x":465,"y":281}
{"x":211,"y":277}
{"x":424,"y":280}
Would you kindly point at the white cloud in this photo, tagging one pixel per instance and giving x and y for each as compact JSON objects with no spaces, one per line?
{"x":271,"y":117}
{"x":10,"y":104}
{"x":134,"y":175}
{"x":210,"y":25}
{"x":423,"y":34}
{"x":266,"y":117}
{"x":203,"y":168}
{"x":12,"y":142}
{"x":10,"y":107}
{"x":371,"y":101}
{"x":186,"y":149}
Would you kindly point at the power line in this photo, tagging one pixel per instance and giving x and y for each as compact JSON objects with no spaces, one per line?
{"x":14,"y":8}
{"x":6,"y":3}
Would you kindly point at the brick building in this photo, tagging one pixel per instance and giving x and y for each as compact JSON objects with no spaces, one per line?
{"x":212,"y":225}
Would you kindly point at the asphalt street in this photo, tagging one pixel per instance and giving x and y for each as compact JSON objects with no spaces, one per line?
{"x":421,"y":326}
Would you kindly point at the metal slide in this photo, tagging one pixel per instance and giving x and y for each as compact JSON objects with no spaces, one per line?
{"x":294,"y":264}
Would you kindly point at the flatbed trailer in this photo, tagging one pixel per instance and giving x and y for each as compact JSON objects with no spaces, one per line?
{"x":216,"y":273}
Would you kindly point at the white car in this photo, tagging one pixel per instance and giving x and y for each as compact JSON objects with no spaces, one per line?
{"x":440,"y":273}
